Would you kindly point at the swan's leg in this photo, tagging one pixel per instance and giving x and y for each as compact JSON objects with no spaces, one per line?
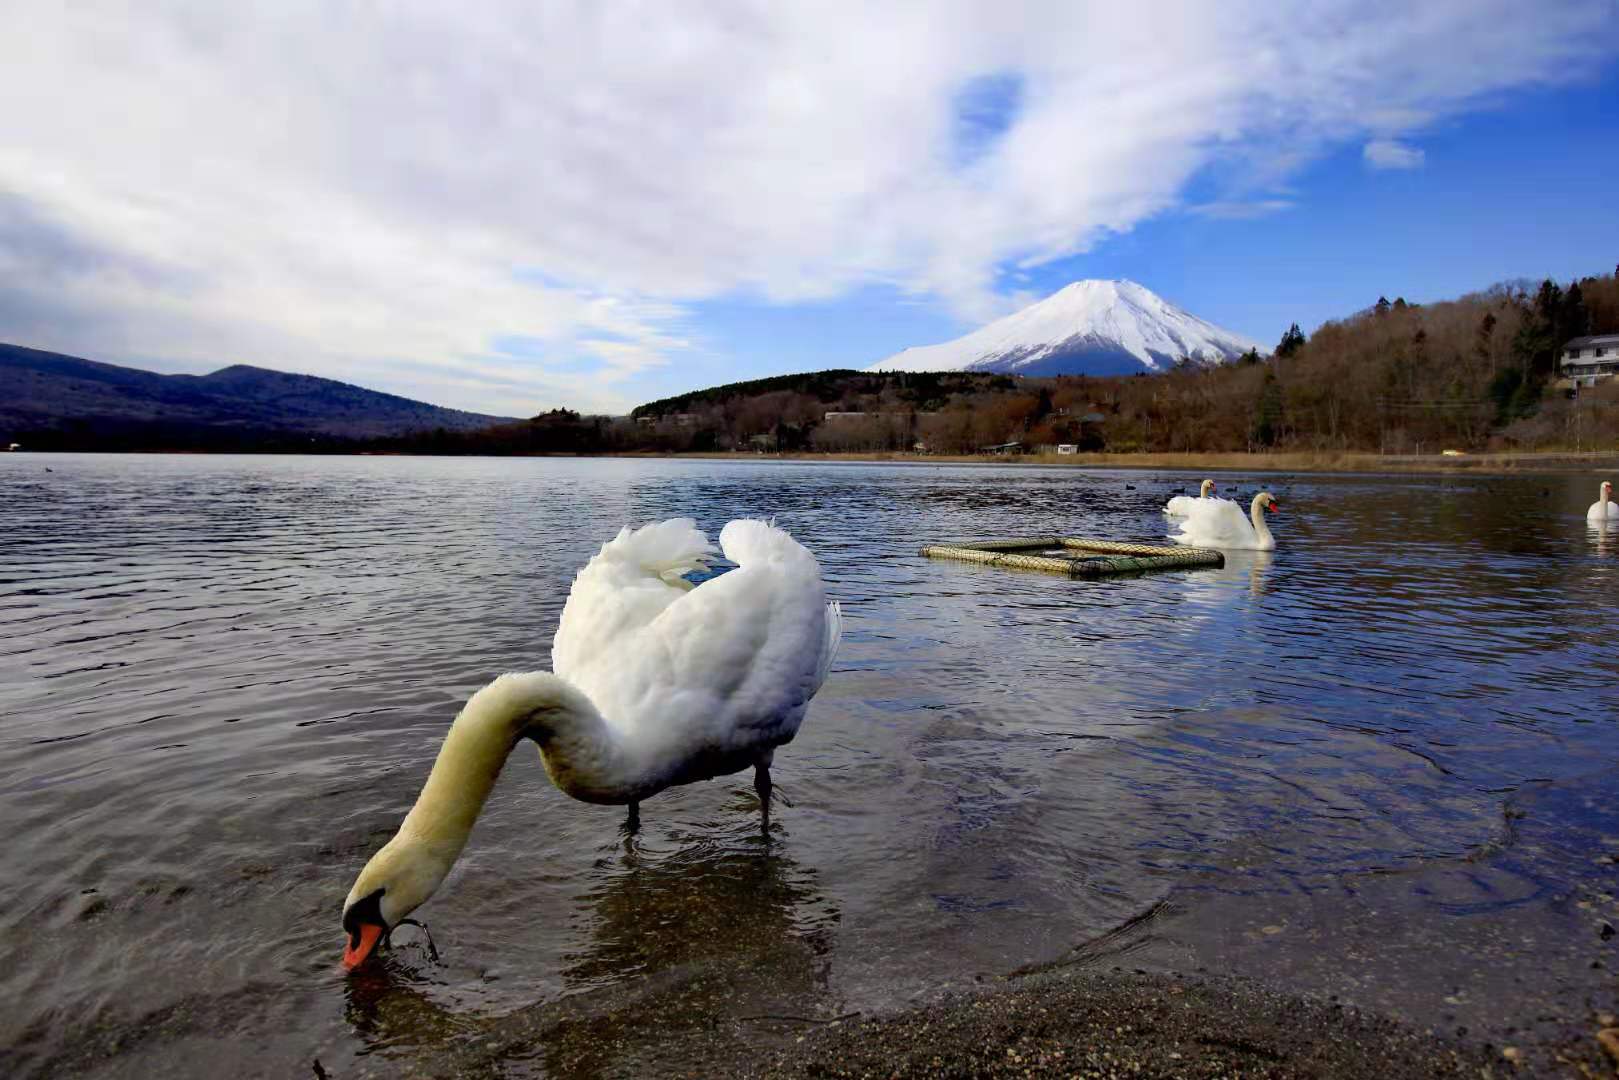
{"x":633,"y":822}
{"x":761,"y":784}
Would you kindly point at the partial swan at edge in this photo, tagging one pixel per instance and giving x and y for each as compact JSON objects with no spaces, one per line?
{"x":1604,"y":509}
{"x":1181,"y":505}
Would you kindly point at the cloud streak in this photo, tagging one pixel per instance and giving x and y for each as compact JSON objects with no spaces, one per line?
{"x":1392,"y":154}
{"x":384,"y":196}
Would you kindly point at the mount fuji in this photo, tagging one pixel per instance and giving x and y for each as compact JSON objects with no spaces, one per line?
{"x":1088,"y":328}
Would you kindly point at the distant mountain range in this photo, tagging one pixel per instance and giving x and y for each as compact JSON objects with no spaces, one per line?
{"x":49,"y":395}
{"x":1087,"y":328}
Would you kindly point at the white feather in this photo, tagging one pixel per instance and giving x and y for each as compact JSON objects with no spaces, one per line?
{"x":1604,"y":509}
{"x":692,"y":679}
{"x":1220,"y":523}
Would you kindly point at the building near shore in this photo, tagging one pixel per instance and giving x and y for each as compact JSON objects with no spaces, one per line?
{"x":1586,"y":361}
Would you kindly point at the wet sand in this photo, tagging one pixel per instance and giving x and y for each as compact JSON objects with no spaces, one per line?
{"x":1084,"y":1023}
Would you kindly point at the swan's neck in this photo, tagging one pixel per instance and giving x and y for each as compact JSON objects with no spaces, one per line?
{"x":410,"y":867}
{"x":498,"y":717}
{"x":1257,"y":514}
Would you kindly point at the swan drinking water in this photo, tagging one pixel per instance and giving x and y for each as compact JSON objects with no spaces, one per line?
{"x":1218,"y":523}
{"x":1604,"y":509}
{"x":654,"y":683}
{"x":1181,"y":505}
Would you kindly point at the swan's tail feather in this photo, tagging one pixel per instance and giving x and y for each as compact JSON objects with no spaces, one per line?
{"x":748,"y":540}
{"x":665,"y":549}
{"x":834,"y":638}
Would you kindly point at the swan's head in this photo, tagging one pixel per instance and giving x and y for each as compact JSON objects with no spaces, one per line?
{"x":398,"y":880}
{"x":1266,"y":501}
{"x":1607,"y":491}
{"x":1206,"y":490}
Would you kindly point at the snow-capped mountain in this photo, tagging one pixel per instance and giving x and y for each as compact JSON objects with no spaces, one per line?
{"x":1087,"y":328}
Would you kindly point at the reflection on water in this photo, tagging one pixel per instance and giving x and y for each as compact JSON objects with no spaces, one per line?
{"x":676,"y":939}
{"x":222,"y":681}
{"x":1605,"y":536}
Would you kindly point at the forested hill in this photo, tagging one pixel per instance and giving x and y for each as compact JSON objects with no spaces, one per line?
{"x":51,"y":400}
{"x":926,"y":390}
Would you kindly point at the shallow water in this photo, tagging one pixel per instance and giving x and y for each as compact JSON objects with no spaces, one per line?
{"x":1363,"y":763}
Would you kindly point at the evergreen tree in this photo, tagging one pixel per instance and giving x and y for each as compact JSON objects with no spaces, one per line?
{"x":1249,"y":357}
{"x":1268,"y":412}
{"x":1399,"y":303}
{"x":1535,"y":347}
{"x":1549,"y":302}
{"x":1291,"y":342}
{"x":1382,"y":305}
{"x":1573,"y":320}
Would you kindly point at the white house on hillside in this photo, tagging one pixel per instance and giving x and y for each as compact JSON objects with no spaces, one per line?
{"x":1587,"y":361}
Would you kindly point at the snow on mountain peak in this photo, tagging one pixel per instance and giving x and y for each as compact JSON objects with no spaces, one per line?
{"x":1091,"y":327}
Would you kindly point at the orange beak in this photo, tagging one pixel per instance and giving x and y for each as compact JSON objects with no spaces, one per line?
{"x":1273,"y":507}
{"x":355,"y":955}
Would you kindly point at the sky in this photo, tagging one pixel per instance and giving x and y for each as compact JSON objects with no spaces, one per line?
{"x":509,"y":207}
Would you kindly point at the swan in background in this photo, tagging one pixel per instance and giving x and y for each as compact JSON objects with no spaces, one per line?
{"x":1181,"y":505}
{"x":654,"y":683}
{"x":1604,"y":509}
{"x":1218,"y":523}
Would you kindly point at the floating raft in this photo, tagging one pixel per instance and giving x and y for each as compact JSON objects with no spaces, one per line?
{"x":1077,"y":557}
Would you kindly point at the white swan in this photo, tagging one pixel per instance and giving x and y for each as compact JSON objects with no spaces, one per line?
{"x":1219,"y":523}
{"x":1604,"y":509}
{"x":656,"y":683}
{"x":1181,"y":505}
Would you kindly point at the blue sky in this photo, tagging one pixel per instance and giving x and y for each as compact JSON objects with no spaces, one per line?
{"x":595,"y":205}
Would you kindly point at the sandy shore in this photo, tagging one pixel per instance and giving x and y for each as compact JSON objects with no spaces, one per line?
{"x":1326,"y":461}
{"x":1070,"y":1023}
{"x":1094,"y":1024}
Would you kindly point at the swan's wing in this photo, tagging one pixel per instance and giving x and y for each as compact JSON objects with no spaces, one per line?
{"x":1214,"y":523}
{"x":634,"y":577}
{"x":834,"y":638}
{"x":731,"y":664}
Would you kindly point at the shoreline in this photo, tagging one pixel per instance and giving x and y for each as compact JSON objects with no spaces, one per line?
{"x":1301,"y":461}
{"x":1067,"y":1023}
{"x":1492,"y":464}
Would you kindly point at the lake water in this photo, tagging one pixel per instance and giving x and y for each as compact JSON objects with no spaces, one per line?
{"x":1380,"y":762}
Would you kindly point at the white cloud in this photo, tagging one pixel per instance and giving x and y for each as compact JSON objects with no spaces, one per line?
{"x":1393,"y":154}
{"x":387,"y":193}
{"x":1241,"y":209}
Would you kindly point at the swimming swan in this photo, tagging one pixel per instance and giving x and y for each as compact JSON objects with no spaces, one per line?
{"x":654,"y":683}
{"x":1181,"y":505}
{"x":1604,"y":509}
{"x":1219,"y":523}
